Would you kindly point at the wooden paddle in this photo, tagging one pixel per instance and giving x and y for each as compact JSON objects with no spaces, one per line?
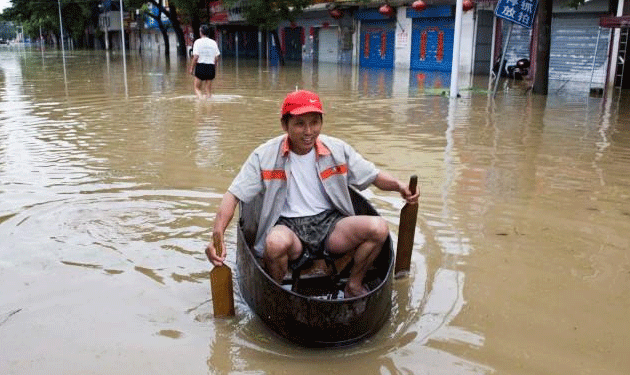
{"x":221,"y":285}
{"x":406,"y":233}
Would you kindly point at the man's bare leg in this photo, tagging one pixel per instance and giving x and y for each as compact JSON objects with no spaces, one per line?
{"x":208,"y":88}
{"x":197,"y":86}
{"x":363,"y":235}
{"x":281,"y":246}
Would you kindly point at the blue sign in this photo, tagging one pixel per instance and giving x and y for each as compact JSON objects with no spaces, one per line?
{"x":151,"y":22}
{"x":521,"y":12}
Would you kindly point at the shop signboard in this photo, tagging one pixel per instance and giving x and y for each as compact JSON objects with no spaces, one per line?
{"x":520,"y":12}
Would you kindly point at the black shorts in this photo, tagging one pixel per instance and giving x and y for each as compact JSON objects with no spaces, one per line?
{"x":313,"y":231}
{"x":205,"y":72}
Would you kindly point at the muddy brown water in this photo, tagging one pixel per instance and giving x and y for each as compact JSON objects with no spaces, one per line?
{"x":111,"y":172}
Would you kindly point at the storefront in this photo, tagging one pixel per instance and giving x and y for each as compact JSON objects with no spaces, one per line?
{"x":376,"y":49}
{"x":432,"y":38}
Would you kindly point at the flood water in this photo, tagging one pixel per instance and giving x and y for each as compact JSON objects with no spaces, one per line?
{"x":111,"y":172}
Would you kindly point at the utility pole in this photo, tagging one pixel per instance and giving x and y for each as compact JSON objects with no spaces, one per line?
{"x":124,"y":51}
{"x":104,"y":21}
{"x":122,"y":32}
{"x":63,"y":48}
{"x":139,"y":21}
{"x":454,"y":92}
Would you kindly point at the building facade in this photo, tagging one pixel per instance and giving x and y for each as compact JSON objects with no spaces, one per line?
{"x":358,"y":34}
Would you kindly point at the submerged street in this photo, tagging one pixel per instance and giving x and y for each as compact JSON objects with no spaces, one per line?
{"x":111,"y":172}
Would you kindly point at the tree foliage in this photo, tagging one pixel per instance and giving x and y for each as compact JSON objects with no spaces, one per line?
{"x":267,"y":15}
{"x":574,"y":3}
{"x":43,"y":15}
{"x":78,"y":15}
{"x":7,"y":30}
{"x":177,"y":8}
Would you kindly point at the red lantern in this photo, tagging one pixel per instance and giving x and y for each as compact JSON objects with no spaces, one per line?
{"x":419,"y":5}
{"x":336,"y":13}
{"x":467,"y":5}
{"x":387,"y":10}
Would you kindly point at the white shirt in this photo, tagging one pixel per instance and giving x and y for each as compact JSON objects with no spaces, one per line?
{"x":305,"y":191}
{"x":207,"y":50}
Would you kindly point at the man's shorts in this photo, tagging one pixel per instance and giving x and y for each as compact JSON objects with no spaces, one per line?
{"x":204,"y":72}
{"x":313,"y":231}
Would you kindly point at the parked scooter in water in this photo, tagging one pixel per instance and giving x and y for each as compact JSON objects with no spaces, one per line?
{"x":517,"y":71}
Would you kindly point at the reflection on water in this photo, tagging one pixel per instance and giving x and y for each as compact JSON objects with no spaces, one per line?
{"x":111,"y":172}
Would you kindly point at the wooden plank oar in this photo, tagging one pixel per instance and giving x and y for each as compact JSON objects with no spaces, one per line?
{"x":222,"y":288}
{"x":406,"y":233}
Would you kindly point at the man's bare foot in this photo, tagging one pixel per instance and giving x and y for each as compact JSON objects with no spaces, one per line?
{"x":351,"y":292}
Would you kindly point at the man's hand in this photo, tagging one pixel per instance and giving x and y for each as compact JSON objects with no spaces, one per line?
{"x":213,"y":246}
{"x":385,"y":181}
{"x":408,"y":195}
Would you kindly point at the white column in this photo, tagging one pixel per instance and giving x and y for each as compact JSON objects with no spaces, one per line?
{"x":455,"y":64}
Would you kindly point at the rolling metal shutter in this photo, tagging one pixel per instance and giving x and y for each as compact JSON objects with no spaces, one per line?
{"x":483,"y":46}
{"x":519,"y":43}
{"x":573,"y":42}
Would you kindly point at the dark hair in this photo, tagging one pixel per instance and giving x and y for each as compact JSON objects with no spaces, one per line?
{"x":205,"y":30}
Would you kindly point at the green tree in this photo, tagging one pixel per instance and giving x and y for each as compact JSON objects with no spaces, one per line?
{"x":77,"y":17}
{"x":7,"y":30}
{"x":187,"y":7}
{"x":267,"y":15}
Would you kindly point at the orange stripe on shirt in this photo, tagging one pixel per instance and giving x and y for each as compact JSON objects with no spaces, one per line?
{"x":339,"y":169}
{"x":277,"y":174}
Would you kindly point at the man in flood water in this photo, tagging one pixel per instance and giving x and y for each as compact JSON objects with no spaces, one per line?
{"x":204,"y":60}
{"x":301,"y":179}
